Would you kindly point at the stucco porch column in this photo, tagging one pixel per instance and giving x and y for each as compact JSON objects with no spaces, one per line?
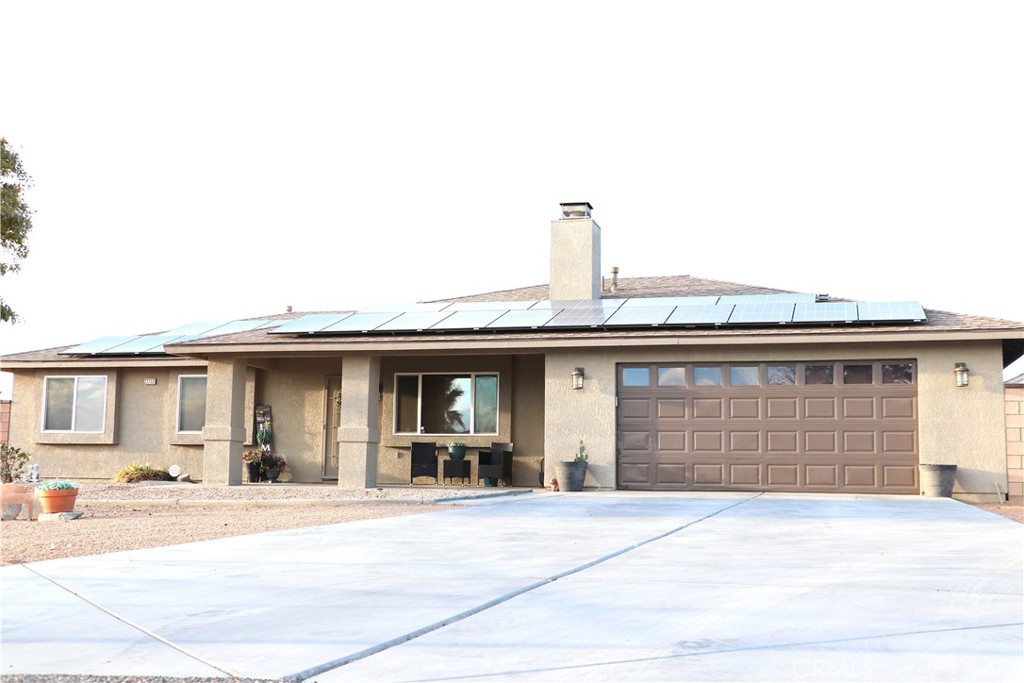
{"x":224,"y":432}
{"x":359,"y":433}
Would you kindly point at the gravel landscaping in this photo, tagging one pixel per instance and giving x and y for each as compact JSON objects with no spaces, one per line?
{"x":128,"y":516}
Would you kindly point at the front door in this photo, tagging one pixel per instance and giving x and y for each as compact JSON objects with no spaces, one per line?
{"x":332,"y":420}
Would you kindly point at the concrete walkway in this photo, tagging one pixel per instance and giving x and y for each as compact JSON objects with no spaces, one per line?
{"x":551,"y":587}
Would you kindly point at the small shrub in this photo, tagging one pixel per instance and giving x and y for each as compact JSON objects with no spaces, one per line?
{"x":13,"y":462}
{"x":135,"y":473}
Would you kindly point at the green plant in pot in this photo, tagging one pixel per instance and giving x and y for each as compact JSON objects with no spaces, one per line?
{"x":273,"y":466}
{"x":13,"y":463}
{"x":253,"y":460}
{"x":571,"y":473}
{"x":456,"y":450}
{"x":57,"y":495}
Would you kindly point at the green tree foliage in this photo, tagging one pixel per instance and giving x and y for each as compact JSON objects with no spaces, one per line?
{"x":15,"y":218}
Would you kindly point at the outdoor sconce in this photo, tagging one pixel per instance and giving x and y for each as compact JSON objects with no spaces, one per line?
{"x":960,"y":371}
{"x":577,"y":379}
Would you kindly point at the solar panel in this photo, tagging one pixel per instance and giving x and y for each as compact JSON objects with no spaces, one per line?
{"x":784,"y":298}
{"x":468,"y":320}
{"x":671,"y":301}
{"x":405,"y":308}
{"x":359,"y":322}
{"x":528,"y":319}
{"x":882,"y":311}
{"x":150,"y":343}
{"x":826,"y":312}
{"x":196,"y":327}
{"x":699,"y":315}
{"x":579,"y":304}
{"x":762,"y":313}
{"x":490,"y":305}
{"x":238,"y":326}
{"x":579,"y":317}
{"x":640,"y":316}
{"x":98,"y":345}
{"x":308,"y":324}
{"x":413,"y":321}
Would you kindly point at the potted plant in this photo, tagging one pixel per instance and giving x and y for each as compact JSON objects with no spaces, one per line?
{"x":273,"y":465}
{"x":253,"y":464}
{"x":456,"y":450}
{"x":57,"y":495}
{"x":13,"y":462}
{"x":571,"y":473}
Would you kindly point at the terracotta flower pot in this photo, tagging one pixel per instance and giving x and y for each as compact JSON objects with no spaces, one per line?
{"x":57,"y":500}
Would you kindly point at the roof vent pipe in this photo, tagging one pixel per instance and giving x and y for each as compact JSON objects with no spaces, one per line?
{"x":288,"y":309}
{"x":615,"y":278}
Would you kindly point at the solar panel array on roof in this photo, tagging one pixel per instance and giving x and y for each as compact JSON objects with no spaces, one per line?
{"x":438,"y":317}
{"x":153,"y":343}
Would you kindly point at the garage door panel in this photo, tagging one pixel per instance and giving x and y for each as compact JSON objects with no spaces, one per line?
{"x":671,"y":442}
{"x":706,"y":473}
{"x":782,"y":442}
{"x":671,"y":408}
{"x":899,"y":406}
{"x":745,"y":408}
{"x":859,"y":475}
{"x":900,"y":476}
{"x":745,"y":475}
{"x":819,"y":408}
{"x":858,"y":408}
{"x":671,"y":473}
{"x":635,"y":408}
{"x":634,"y":473}
{"x":898,"y":442}
{"x":802,"y":433}
{"x":707,"y":407}
{"x":822,"y":475}
{"x":820,"y":442}
{"x":781,"y":408}
{"x":745,"y":442}
{"x":708,"y":442}
{"x":635,"y":441}
{"x":859,"y":442}
{"x":782,"y":475}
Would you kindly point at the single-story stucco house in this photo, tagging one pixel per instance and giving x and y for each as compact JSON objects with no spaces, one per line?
{"x":672,"y":383}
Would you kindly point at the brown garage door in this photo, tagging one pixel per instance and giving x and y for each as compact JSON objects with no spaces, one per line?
{"x":804,"y":426}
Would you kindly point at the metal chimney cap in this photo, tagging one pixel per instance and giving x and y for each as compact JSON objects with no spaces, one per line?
{"x":576,"y":209}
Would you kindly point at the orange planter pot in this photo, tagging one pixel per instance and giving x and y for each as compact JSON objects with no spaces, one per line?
{"x":57,"y":500}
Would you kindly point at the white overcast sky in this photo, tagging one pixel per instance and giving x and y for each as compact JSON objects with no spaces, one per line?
{"x":218,"y":160}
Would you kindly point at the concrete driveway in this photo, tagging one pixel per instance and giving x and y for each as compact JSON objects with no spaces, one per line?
{"x":551,"y":587}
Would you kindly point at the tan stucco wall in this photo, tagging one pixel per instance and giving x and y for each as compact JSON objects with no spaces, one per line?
{"x":141,"y":439}
{"x":963,"y":426}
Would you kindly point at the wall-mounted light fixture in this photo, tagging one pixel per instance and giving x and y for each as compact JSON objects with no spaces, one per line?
{"x":961,"y":372}
{"x":577,"y":378}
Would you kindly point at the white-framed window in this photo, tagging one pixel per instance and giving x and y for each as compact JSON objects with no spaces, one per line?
{"x":191,"y":403}
{"x":446,"y":403}
{"x":75,"y":404}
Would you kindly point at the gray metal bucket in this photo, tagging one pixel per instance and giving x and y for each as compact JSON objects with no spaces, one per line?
{"x":570,"y":475}
{"x":937,"y":480}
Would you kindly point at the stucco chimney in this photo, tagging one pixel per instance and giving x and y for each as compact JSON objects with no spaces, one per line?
{"x":575,"y":254}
